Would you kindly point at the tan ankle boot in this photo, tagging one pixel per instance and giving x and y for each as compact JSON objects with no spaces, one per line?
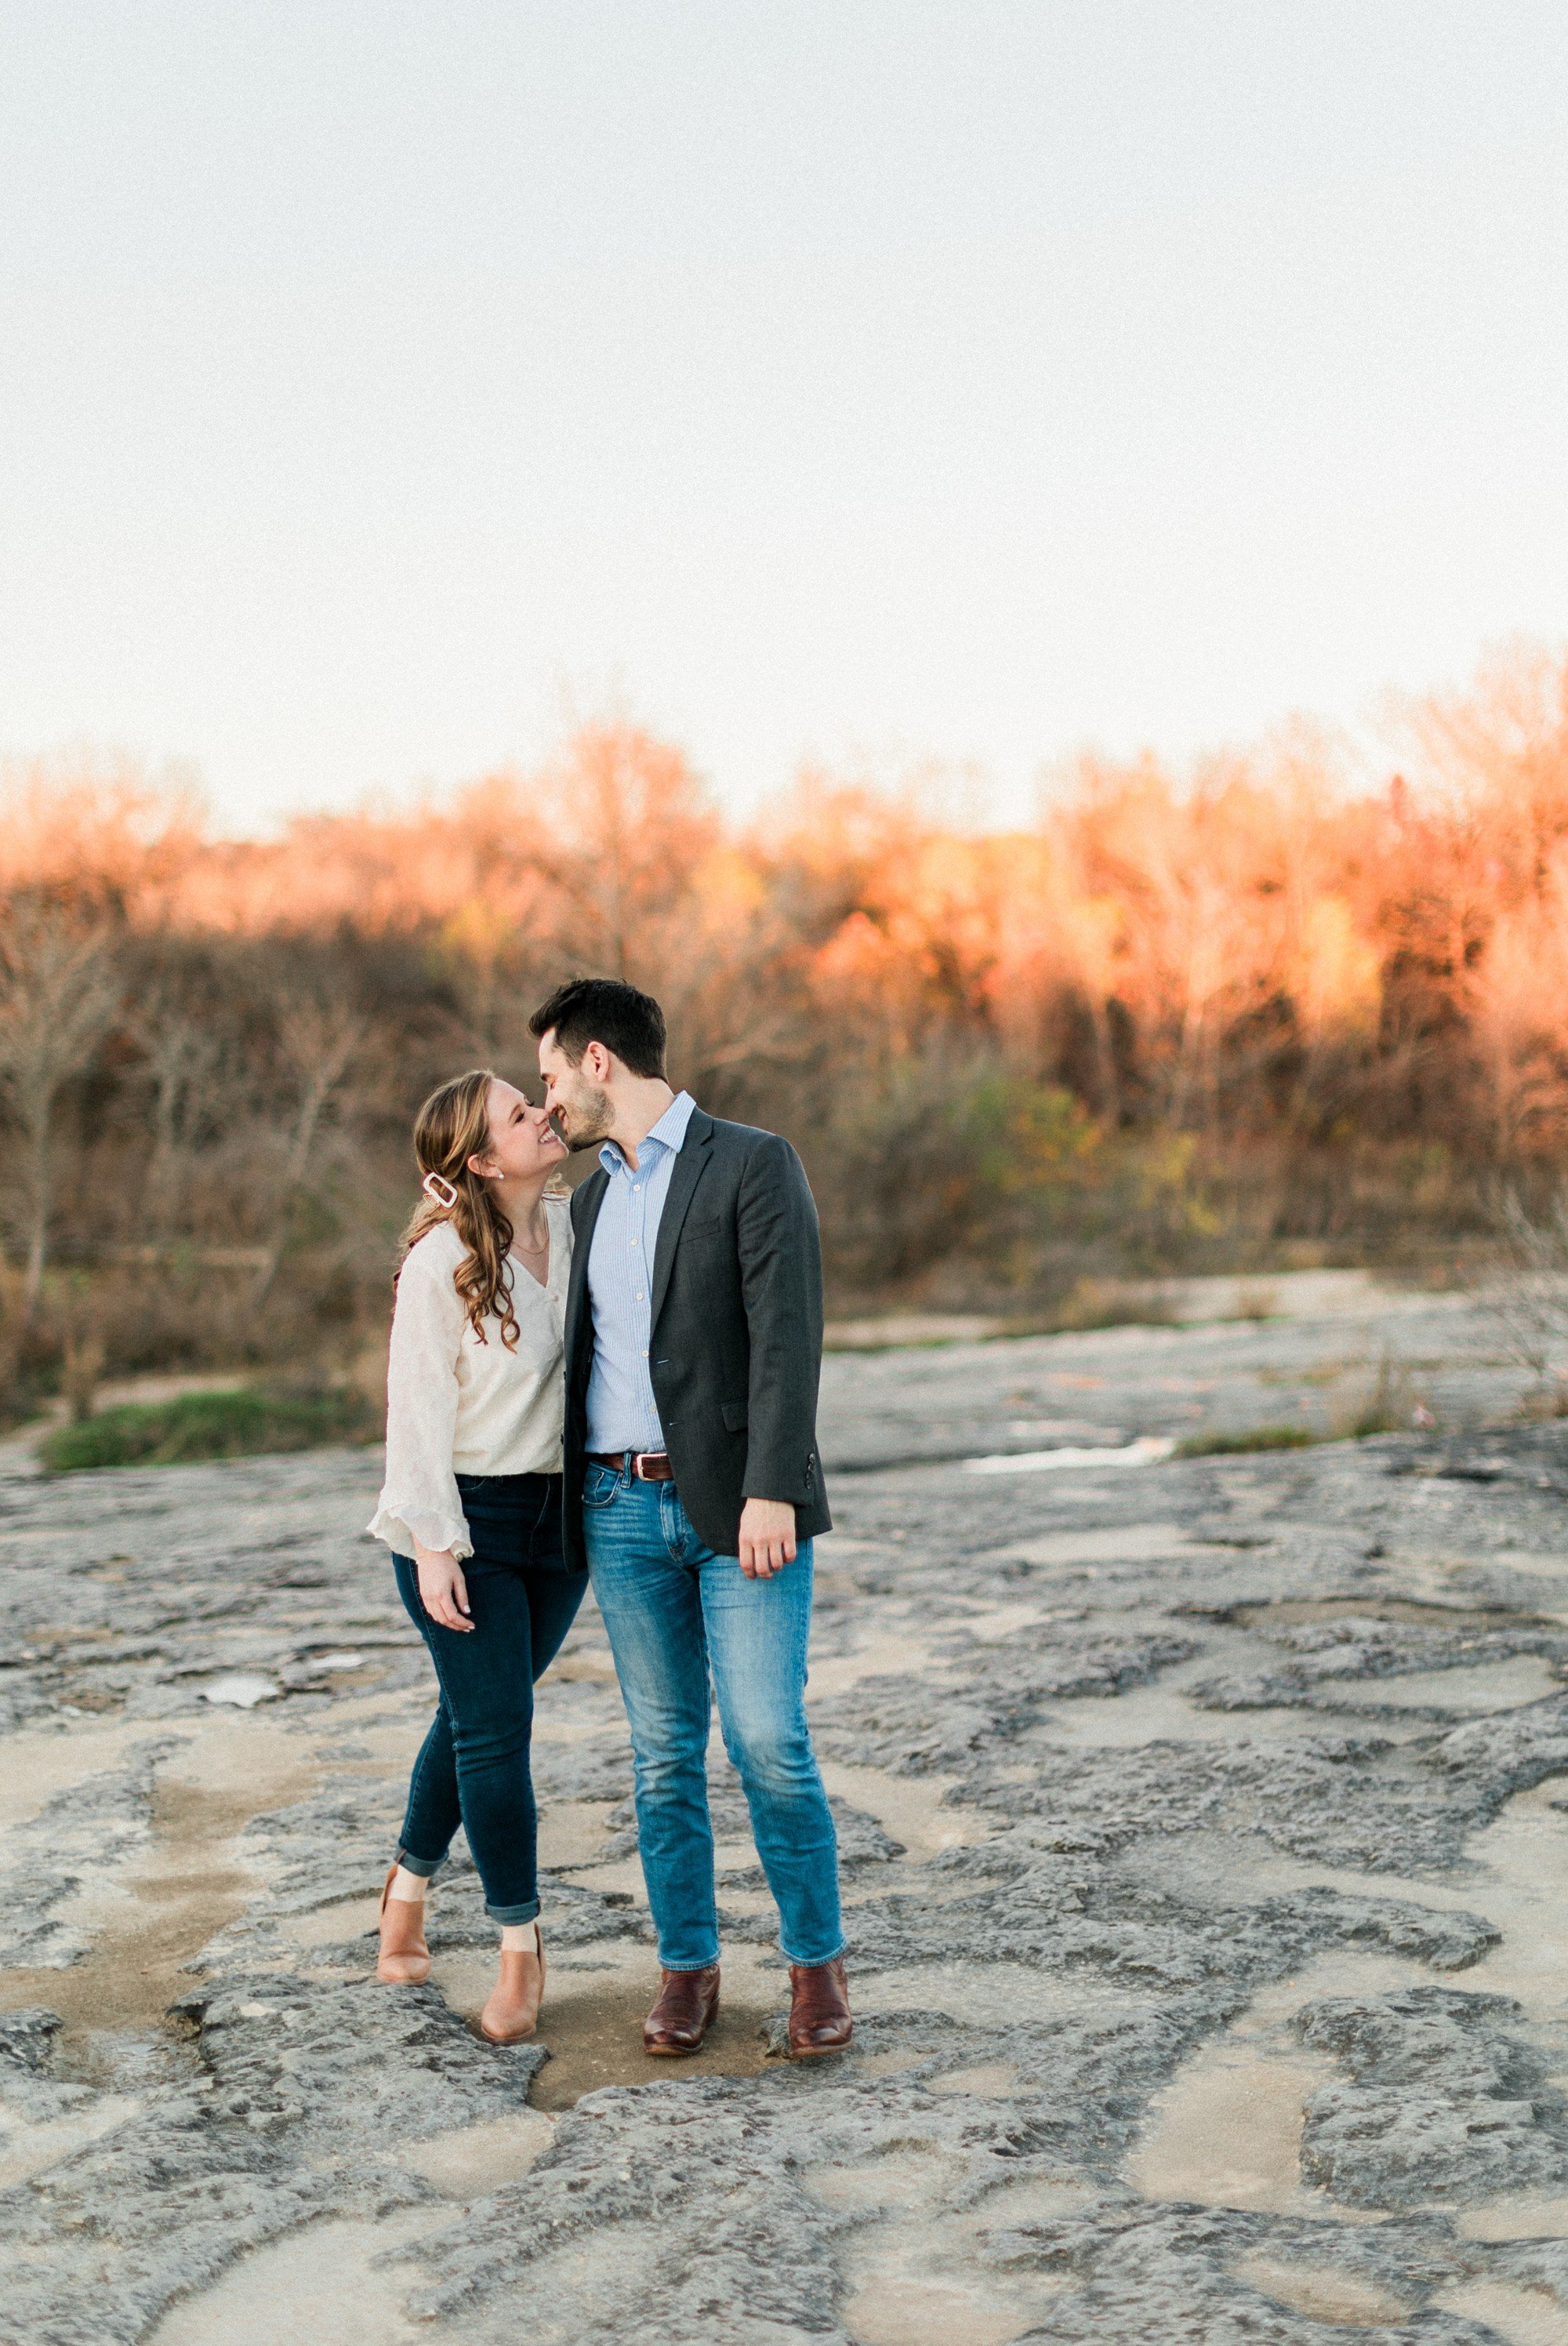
{"x":404,"y":1959}
{"x":511,"y":2014}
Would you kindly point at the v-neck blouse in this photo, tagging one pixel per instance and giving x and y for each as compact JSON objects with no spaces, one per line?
{"x":458,"y":1406}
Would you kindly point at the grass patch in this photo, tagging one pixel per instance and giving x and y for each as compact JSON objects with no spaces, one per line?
{"x":1261,"y":1437}
{"x":243,"y":1424}
{"x":1375,"y":1420}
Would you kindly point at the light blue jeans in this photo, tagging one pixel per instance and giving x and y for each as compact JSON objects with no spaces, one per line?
{"x":674,"y":1610}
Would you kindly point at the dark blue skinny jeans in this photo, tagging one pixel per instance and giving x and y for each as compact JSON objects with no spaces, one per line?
{"x":473,"y":1767}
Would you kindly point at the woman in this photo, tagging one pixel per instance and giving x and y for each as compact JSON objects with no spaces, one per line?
{"x":471,"y":1511}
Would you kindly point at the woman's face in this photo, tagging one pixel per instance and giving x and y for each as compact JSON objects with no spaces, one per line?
{"x":523,"y":1142}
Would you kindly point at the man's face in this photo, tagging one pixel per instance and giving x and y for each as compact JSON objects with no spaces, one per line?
{"x":579,"y":1107}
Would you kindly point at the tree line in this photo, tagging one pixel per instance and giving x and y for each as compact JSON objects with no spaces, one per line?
{"x":1260,"y":1012}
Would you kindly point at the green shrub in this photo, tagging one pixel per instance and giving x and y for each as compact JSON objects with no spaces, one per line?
{"x":236,"y":1424}
{"x":1261,"y":1437}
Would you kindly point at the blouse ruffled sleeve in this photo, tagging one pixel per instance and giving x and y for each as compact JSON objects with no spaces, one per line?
{"x":420,"y":1499}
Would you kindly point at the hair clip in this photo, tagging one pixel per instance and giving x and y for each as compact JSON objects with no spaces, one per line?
{"x":439,"y":1191}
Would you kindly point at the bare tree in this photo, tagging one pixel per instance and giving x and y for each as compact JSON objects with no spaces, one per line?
{"x":182,"y":1059}
{"x":1529,"y":1297}
{"x":58,"y":996}
{"x":319,"y":1040}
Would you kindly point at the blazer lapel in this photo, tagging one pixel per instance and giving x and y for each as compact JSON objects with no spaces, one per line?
{"x":685,"y":1175}
{"x":583,"y":1222}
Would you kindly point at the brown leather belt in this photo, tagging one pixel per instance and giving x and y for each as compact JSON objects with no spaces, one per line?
{"x":644,"y":1465}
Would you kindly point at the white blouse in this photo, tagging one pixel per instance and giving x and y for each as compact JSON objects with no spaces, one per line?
{"x":457,"y":1406}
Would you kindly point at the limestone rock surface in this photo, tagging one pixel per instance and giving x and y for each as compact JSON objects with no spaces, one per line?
{"x":1205,"y":1840}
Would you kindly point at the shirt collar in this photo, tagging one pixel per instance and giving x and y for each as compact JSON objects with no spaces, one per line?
{"x":670,"y":1133}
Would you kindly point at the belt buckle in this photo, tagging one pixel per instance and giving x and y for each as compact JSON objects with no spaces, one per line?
{"x":640,"y":1461}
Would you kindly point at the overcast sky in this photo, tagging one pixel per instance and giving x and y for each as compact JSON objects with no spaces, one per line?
{"x":863,"y":380}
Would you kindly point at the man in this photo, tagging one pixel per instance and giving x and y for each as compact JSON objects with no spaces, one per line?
{"x":694,"y":1346}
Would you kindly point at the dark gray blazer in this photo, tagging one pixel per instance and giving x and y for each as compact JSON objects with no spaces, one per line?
{"x":737,"y":1348}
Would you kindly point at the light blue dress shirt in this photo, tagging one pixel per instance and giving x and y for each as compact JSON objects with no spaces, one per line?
{"x":621,"y":1413}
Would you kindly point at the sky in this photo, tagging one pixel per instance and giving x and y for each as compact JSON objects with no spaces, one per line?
{"x":857,"y":381}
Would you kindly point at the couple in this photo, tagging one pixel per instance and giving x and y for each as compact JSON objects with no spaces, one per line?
{"x":659,"y":1336}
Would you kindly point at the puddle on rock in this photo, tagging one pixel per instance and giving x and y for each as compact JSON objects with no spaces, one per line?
{"x":1322,"y":2295}
{"x":996,"y":1625}
{"x":1524,"y":2317}
{"x":991,"y":2080}
{"x":1490,"y":1686}
{"x":595,"y":2000}
{"x":1161,"y":1713}
{"x":184,"y":1887}
{"x":595,"y":2285}
{"x":1521,"y":2218}
{"x":1522,"y":1861}
{"x":1339,"y":1971}
{"x":572,"y":1834}
{"x":42,"y":1763}
{"x":473,"y":2160}
{"x":909,"y":1808}
{"x":909,"y":2282}
{"x":885,"y":1655}
{"x":321,"y":2282}
{"x":1227,"y":2131}
{"x":1289,"y":1611}
{"x":27,"y":2150}
{"x":338,"y":1924}
{"x":899,"y":2312}
{"x":913,"y":2178}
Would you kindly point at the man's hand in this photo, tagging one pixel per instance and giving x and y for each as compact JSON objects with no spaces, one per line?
{"x":442,"y":1590}
{"x":767,"y":1537}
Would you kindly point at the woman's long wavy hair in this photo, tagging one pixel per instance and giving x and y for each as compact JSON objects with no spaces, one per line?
{"x":452,"y":1125}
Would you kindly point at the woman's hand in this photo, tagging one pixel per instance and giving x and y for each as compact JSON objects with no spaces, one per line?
{"x":442,"y":1590}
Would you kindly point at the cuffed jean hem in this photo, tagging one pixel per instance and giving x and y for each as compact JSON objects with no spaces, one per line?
{"x":711,"y":1964}
{"x":813,"y":1962}
{"x":510,"y":1916}
{"x":423,"y":1866}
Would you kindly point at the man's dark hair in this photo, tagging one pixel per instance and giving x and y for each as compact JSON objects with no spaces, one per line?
{"x":603,"y":1010}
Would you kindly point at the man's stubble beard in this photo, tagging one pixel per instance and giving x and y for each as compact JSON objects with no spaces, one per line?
{"x":591,"y":1116}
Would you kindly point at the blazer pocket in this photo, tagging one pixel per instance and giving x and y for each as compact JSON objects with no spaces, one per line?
{"x":733,"y":1413}
{"x":709,"y":1226}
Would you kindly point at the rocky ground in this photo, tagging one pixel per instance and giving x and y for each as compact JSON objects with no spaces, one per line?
{"x":1205,"y":1840}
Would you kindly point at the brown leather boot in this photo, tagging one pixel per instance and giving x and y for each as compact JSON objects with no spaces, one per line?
{"x":511,"y":2014}
{"x":819,"y":2018}
{"x":404,"y":1959}
{"x":684,"y":2013}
